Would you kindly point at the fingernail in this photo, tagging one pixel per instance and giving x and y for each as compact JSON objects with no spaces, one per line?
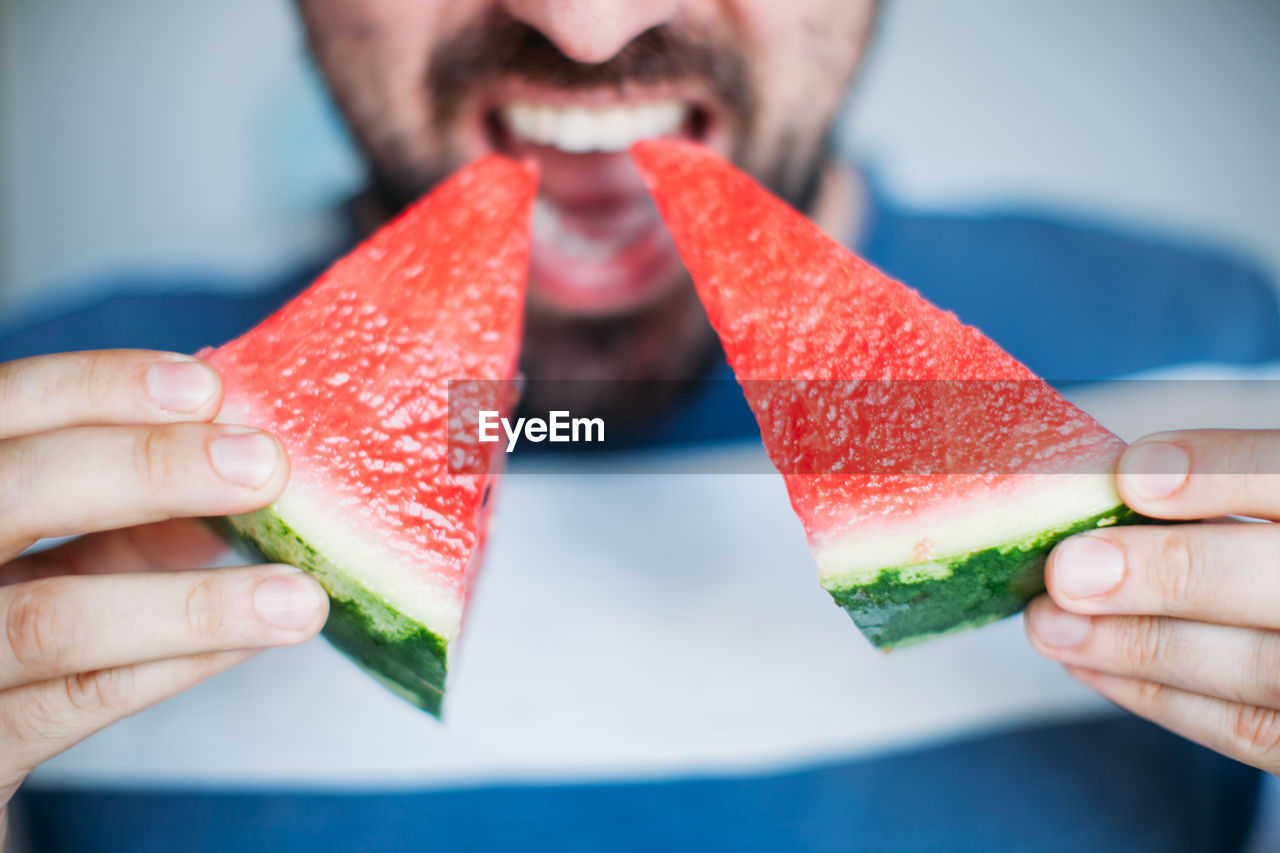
{"x":1085,"y":566}
{"x":288,"y":601}
{"x":1059,"y":628}
{"x":247,"y":458}
{"x":1154,"y":470}
{"x":181,"y":386}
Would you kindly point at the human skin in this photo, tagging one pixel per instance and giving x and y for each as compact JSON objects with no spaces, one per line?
{"x":1181,"y":624}
{"x":120,"y":445}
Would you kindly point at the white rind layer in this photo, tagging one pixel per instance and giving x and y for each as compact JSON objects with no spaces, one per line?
{"x":381,"y":570}
{"x":925,"y":541}
{"x":372,"y":564}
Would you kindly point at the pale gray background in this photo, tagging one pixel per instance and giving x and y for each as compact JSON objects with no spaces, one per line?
{"x":139,"y":133}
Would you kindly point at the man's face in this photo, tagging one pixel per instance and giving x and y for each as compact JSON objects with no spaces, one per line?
{"x":428,"y":85}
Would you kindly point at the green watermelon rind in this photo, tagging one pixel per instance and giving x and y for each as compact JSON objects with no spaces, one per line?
{"x":901,"y":606}
{"x":403,"y":654}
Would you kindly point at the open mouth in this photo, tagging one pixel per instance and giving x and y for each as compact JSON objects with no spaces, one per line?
{"x":582,"y":127}
{"x":599,"y":246}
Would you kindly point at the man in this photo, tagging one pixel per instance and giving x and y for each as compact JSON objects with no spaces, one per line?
{"x":1167,"y":622}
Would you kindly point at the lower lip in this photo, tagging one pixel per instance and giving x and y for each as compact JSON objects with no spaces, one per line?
{"x":625,"y":282}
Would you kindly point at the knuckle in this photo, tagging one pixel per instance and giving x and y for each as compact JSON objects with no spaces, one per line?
{"x":151,"y":462}
{"x":1266,"y":670}
{"x":37,"y":628}
{"x":1142,"y":643}
{"x":97,"y":378}
{"x":1256,"y":731}
{"x":8,"y":390}
{"x":207,"y":663}
{"x":205,"y":616}
{"x":1175,"y":565}
{"x":1256,"y":485}
{"x":1249,"y":451}
{"x":19,"y":464}
{"x":100,"y":690}
{"x":38,"y":714}
{"x":1151,"y":696}
{"x":23,"y":719}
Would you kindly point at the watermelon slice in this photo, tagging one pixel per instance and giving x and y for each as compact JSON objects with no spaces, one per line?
{"x":931,"y":471}
{"x":353,"y":376}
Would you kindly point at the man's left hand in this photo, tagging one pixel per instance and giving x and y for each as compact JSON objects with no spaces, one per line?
{"x":1180,"y":623}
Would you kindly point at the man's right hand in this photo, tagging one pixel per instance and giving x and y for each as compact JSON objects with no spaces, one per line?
{"x":119,"y":445}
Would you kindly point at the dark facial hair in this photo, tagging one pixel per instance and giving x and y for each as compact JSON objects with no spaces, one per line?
{"x":667,"y":343}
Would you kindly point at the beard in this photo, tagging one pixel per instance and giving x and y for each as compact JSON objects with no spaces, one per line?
{"x":628,"y":369}
{"x":664,"y":348}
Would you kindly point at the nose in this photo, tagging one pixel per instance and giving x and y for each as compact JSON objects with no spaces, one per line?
{"x":591,"y":31}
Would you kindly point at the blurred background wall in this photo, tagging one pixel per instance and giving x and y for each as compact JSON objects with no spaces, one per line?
{"x":154,"y":135}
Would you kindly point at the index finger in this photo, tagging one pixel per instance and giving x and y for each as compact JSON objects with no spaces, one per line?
{"x":105,"y":387}
{"x":1203,"y":474}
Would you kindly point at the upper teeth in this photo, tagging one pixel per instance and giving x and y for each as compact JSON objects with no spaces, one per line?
{"x":579,"y":128}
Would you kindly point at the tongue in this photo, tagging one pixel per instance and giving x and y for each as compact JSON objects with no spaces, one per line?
{"x":585,"y":180}
{"x":591,"y":206}
{"x":599,"y":245}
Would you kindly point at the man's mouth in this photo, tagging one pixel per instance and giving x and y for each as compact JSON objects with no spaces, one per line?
{"x":580,"y":128}
{"x":599,"y":246}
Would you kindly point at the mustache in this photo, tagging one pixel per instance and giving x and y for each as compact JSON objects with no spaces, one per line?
{"x":500,"y":47}
{"x":496,"y":47}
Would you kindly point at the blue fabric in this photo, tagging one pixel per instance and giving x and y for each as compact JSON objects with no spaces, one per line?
{"x":1115,"y":785}
{"x":1073,"y":303}
{"x":188,"y":314}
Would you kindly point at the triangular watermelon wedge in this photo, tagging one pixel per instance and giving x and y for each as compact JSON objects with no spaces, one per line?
{"x":932,"y":471}
{"x":353,"y":376}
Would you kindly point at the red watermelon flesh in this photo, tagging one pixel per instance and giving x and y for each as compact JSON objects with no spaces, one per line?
{"x":353,"y":376}
{"x":932,"y":471}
